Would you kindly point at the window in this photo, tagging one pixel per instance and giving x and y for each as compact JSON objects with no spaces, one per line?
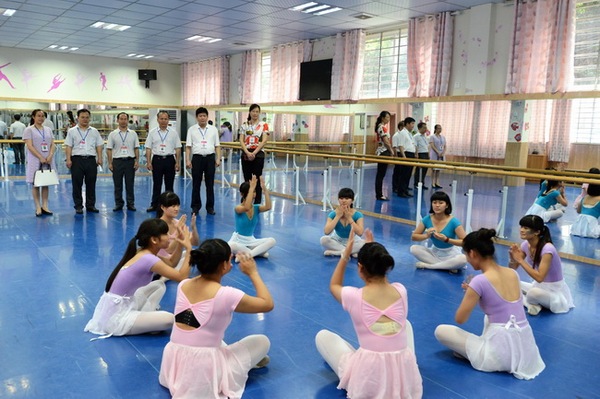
{"x":385,"y":73}
{"x":586,"y":121}
{"x":587,"y":45}
{"x":265,"y":79}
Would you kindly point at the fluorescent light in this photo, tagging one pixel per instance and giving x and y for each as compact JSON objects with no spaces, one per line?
{"x":203,"y":39}
{"x":214,"y":40}
{"x":63,"y":47}
{"x":110,"y":26}
{"x":123,"y":27}
{"x":53,"y":46}
{"x":334,"y":9}
{"x":139,"y":56}
{"x":97,"y":25}
{"x":131,"y":55}
{"x":149,"y":56}
{"x":74,"y":48}
{"x":317,"y":8}
{"x":303,"y":6}
{"x":8,"y":12}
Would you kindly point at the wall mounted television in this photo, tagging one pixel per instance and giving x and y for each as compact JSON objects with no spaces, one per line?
{"x":315,"y":80}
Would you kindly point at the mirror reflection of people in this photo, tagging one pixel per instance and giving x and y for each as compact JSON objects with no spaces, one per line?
{"x":196,"y":363}
{"x":551,"y":194}
{"x":384,"y":149}
{"x":437,"y":152}
{"x":16,"y":130}
{"x":588,"y":209}
{"x":538,"y":257}
{"x":40,"y":153}
{"x":507,"y":342}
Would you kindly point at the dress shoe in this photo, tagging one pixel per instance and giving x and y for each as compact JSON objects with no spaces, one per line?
{"x":403,"y":195}
{"x":383,"y":198}
{"x":131,"y":208}
{"x":195,"y":211}
{"x":92,"y":209}
{"x":79,"y":211}
{"x":151,"y":209}
{"x":425,"y":188}
{"x":38,"y":214}
{"x":210,"y":211}
{"x":117,"y":209}
{"x":47,"y":212}
{"x":408,"y":194}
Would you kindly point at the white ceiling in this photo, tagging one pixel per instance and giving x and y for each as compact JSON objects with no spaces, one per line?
{"x":160,"y":27}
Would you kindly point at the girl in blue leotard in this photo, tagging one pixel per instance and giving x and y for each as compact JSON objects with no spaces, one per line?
{"x":246,"y":219}
{"x":445,"y":235}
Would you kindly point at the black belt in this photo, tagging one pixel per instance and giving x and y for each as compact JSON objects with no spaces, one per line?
{"x":163,"y":156}
{"x":124,"y":159}
{"x":204,"y":155}
{"x":83,"y":156}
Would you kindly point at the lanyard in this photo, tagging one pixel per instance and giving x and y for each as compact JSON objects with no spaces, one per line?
{"x":42,"y":133}
{"x":162,"y":139}
{"x":86,"y":133}
{"x":203,"y":133}
{"x":123,"y":139}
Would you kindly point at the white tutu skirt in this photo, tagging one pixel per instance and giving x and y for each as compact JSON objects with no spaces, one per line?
{"x":203,"y":372}
{"x":562,"y":301}
{"x":505,"y":349}
{"x":586,"y":226}
{"x":366,"y":374}
{"x":115,"y":314}
{"x":538,"y":210}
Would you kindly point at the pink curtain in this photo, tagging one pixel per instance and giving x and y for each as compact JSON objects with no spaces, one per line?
{"x":348,"y":65}
{"x":250,"y":77}
{"x":205,"y":82}
{"x":539,"y":125}
{"x":559,"y":144}
{"x":282,"y":127}
{"x":475,"y":129}
{"x":430,"y":55}
{"x":285,"y":72}
{"x":542,"y":50}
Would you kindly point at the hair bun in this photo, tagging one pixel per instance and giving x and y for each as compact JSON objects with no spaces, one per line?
{"x":487,"y":233}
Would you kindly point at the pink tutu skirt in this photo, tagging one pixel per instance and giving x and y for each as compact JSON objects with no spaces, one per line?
{"x":203,"y":372}
{"x":366,"y":374}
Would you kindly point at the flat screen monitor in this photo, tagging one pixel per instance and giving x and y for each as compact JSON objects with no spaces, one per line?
{"x":315,"y":80}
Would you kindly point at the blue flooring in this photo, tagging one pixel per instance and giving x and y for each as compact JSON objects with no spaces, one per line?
{"x":55,"y":268}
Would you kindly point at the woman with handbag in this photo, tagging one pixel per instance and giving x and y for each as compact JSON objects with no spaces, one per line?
{"x":40,"y":156}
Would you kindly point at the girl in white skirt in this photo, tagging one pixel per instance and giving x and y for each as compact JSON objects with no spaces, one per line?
{"x":130,"y":300}
{"x":586,"y":224}
{"x":546,"y":205}
{"x":507,"y":342}
{"x":445,"y":234}
{"x":338,"y":226}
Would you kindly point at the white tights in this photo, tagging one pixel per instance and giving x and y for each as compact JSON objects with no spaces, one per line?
{"x":536,"y":296}
{"x":150,"y":319}
{"x":431,"y":261}
{"x":453,"y":337}
{"x":257,"y":345}
{"x":257,"y":248}
{"x":332,"y":347}
{"x":338,"y":248}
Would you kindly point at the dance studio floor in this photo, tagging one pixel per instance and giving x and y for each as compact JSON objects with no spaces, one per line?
{"x":54,"y":269}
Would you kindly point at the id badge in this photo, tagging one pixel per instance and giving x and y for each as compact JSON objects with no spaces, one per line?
{"x":44,"y":147}
{"x":203,"y":144}
{"x":124,"y":151}
{"x":162,"y":149}
{"x":82,"y":144}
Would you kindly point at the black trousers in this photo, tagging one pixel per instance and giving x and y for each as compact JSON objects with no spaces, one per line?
{"x":405,"y":173}
{"x":381,"y":171}
{"x":123,"y":169}
{"x":19,"y":149}
{"x":163,"y":168}
{"x":84,"y":169}
{"x":203,"y":166}
{"x":421,"y":172}
{"x":254,"y":167}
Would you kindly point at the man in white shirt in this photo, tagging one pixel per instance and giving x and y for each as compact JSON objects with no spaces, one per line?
{"x":203,"y":154}
{"x":16,"y":133}
{"x":163,"y":157}
{"x":48,"y":122}
{"x":123,"y":153}
{"x":422,"y":144}
{"x":83,"y":150}
{"x":406,"y":149}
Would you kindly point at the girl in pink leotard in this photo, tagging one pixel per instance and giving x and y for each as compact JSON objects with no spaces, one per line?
{"x":196,"y":363}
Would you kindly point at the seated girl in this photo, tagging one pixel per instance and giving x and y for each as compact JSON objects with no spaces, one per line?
{"x":586,"y":224}
{"x":130,"y":300}
{"x":196,"y":362}
{"x":445,"y":233}
{"x":246,"y":219}
{"x":384,"y":366}
{"x":338,"y":226}
{"x":507,"y":342}
{"x":551,"y":193}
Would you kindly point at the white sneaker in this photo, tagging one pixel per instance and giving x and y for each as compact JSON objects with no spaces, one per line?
{"x":420,"y":265}
{"x":329,"y":252}
{"x":534,"y":310}
{"x":265,"y":255}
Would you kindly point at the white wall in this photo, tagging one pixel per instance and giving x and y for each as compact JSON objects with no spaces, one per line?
{"x":32,"y":74}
